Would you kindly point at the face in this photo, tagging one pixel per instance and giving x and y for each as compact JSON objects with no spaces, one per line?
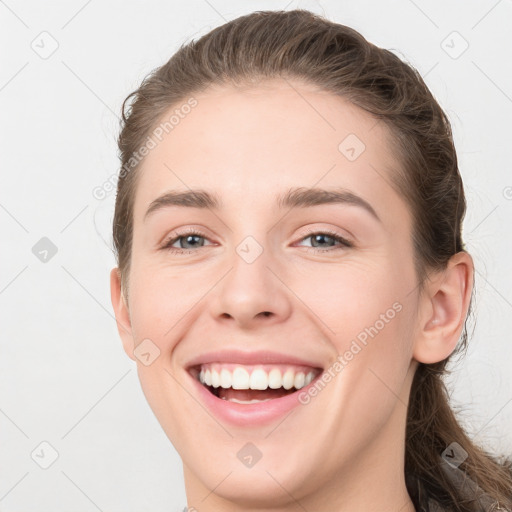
{"x":271,"y":283}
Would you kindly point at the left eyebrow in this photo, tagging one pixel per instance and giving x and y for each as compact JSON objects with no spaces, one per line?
{"x":305,"y":197}
{"x":300,"y":197}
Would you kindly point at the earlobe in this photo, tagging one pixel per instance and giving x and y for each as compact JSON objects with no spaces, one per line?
{"x":443,"y":310}
{"x":122,"y":313}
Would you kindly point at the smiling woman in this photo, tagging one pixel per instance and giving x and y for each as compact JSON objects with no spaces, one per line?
{"x":291,"y":276}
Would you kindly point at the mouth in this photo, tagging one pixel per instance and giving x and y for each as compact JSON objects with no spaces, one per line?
{"x":253,"y":384}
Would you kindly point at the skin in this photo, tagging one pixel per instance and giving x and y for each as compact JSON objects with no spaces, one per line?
{"x":344,"y":450}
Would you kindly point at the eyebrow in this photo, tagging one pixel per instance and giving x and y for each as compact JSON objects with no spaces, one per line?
{"x":300,"y":197}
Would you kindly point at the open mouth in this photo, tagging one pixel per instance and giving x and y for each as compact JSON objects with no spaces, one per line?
{"x":251,"y":384}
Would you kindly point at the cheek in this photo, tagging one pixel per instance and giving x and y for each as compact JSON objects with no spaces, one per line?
{"x":367,"y":316}
{"x":351,"y":298}
{"x":165,"y":301}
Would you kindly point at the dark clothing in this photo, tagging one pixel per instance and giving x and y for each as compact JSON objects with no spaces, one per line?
{"x":472,"y":496}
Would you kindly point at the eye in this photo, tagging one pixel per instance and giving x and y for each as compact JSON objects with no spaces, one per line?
{"x":190,"y":238}
{"x":322,"y":237}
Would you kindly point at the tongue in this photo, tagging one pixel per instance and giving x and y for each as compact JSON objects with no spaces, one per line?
{"x":253,"y":394}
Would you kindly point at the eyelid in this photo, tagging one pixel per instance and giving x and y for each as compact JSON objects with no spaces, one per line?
{"x":346,"y":243}
{"x":343,"y":242}
{"x":179,"y":233}
{"x":330,"y":231}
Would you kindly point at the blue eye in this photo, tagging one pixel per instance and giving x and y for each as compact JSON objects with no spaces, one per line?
{"x":321,"y":236}
{"x":188,"y":238}
{"x":191,"y":237}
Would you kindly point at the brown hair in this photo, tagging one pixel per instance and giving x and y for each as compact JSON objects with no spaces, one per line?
{"x":301,"y":45}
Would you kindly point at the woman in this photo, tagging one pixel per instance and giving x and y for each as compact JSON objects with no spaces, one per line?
{"x":291,"y":376}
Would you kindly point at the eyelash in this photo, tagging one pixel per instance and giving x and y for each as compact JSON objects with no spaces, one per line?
{"x":176,"y":236}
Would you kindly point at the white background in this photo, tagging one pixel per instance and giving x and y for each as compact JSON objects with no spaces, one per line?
{"x":64,"y":377}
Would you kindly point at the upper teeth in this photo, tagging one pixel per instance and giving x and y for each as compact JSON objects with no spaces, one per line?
{"x":239,"y":377}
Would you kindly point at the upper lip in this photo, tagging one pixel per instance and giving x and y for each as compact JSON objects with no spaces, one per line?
{"x":250,"y":358}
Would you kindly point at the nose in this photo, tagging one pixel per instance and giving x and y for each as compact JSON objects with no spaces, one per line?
{"x":253,"y":293}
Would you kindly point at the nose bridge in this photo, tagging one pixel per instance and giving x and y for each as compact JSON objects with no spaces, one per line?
{"x":251,"y":291}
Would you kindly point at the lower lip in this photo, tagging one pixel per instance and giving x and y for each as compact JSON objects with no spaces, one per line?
{"x":250,"y":414}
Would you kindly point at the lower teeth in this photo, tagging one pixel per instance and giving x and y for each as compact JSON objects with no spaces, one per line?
{"x":244,"y":401}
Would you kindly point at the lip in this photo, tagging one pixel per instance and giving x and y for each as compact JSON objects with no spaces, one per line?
{"x":251,"y":358}
{"x":248,"y":415}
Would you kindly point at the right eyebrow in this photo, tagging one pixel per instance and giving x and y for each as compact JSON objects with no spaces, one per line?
{"x":190,"y":199}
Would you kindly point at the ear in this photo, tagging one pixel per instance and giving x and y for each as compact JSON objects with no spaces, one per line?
{"x":443,"y":309}
{"x":122,"y":313}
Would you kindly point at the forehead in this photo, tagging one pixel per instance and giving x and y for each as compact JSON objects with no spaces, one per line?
{"x":248,"y":144}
